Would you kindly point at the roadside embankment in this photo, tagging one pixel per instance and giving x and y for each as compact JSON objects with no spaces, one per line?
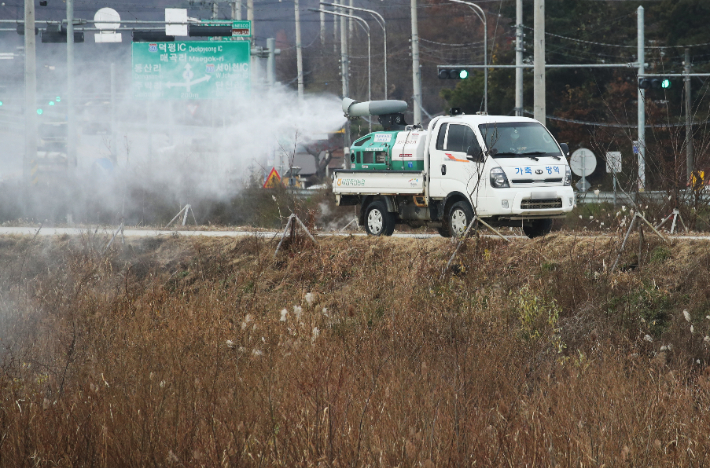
{"x":354,"y":351}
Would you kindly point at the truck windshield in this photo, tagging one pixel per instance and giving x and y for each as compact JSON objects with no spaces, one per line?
{"x":516,"y":139}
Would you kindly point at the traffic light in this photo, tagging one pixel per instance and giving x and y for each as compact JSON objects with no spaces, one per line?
{"x":58,"y":34}
{"x":152,"y":36}
{"x":21,"y":29}
{"x":654,"y":83}
{"x":453,"y":73}
{"x":197,"y":30}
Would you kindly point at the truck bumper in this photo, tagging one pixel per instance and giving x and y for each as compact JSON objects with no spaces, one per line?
{"x":537,"y":202}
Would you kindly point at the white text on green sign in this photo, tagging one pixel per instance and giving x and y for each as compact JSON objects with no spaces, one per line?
{"x":190,"y":70}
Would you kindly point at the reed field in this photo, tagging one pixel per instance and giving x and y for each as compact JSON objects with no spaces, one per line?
{"x":354,"y":352}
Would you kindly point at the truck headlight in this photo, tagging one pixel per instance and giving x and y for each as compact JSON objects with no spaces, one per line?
{"x":568,"y":176}
{"x":498,"y":178}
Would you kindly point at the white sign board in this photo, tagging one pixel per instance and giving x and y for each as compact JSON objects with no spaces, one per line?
{"x":108,"y":21}
{"x":179,"y":16}
{"x":583,"y":162}
{"x":613,"y":161}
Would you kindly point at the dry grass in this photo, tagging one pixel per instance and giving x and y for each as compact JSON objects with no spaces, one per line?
{"x":179,"y":352}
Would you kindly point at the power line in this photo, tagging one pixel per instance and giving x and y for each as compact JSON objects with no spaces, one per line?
{"x":599,"y":124}
{"x":620,"y":45}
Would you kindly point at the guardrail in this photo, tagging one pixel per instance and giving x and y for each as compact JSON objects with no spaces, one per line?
{"x":623,"y":198}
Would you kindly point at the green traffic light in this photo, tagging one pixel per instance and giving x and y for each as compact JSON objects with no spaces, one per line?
{"x":51,"y":103}
{"x":665,"y":83}
{"x":39,"y":111}
{"x":463,"y":74}
{"x":0,"y":103}
{"x":59,"y":99}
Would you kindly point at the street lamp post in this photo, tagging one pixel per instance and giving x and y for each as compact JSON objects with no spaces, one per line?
{"x":380,"y":21}
{"x":482,"y":16}
{"x":366,"y":27}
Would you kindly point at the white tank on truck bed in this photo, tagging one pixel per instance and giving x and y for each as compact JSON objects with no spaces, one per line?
{"x":408,"y":150}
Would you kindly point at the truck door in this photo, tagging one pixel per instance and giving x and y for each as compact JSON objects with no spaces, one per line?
{"x":451,"y":169}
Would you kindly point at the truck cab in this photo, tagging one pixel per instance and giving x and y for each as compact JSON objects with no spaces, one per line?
{"x":510,"y":169}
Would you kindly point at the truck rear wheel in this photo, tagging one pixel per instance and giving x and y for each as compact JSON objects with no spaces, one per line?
{"x":460,"y":216}
{"x":379,"y":221}
{"x":538,"y":227}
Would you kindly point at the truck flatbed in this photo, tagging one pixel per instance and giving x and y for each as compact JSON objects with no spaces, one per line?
{"x":364,"y":182}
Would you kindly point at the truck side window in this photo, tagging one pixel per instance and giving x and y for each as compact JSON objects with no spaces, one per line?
{"x":470,"y":141}
{"x":460,"y":138}
{"x":441,"y":137}
{"x":368,"y":157}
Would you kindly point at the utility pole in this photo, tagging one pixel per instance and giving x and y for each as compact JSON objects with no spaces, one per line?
{"x":641,"y":107}
{"x":416,"y":71}
{"x":299,"y":52}
{"x":336,"y":21}
{"x":114,"y":138}
{"x":322,"y":31}
{"x":539,"y":65}
{"x":690,"y":157}
{"x":215,"y":10}
{"x":366,"y":27}
{"x":518,"y":57}
{"x":71,"y":103}
{"x":30,"y":91}
{"x":351,"y":27}
{"x":237,"y":10}
{"x":271,"y":62}
{"x":381,"y":21}
{"x":250,"y":17}
{"x":345,"y":70}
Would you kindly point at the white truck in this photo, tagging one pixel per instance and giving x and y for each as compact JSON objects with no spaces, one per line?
{"x":509,"y":171}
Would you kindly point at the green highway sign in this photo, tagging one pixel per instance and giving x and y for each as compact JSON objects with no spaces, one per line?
{"x":241,"y":28}
{"x":190,"y":69}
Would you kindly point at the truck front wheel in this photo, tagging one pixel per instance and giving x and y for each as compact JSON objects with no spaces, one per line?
{"x":538,"y":227}
{"x":460,"y":216}
{"x":379,"y":221}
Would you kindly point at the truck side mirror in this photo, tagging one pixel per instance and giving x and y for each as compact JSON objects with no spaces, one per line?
{"x":565,"y":149}
{"x":474,"y":153}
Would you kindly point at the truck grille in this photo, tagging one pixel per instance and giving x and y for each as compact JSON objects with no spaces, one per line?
{"x":539,"y":181}
{"x":541,"y":204}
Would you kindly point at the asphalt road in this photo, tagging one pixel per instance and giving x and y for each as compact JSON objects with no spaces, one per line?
{"x":55,"y":231}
